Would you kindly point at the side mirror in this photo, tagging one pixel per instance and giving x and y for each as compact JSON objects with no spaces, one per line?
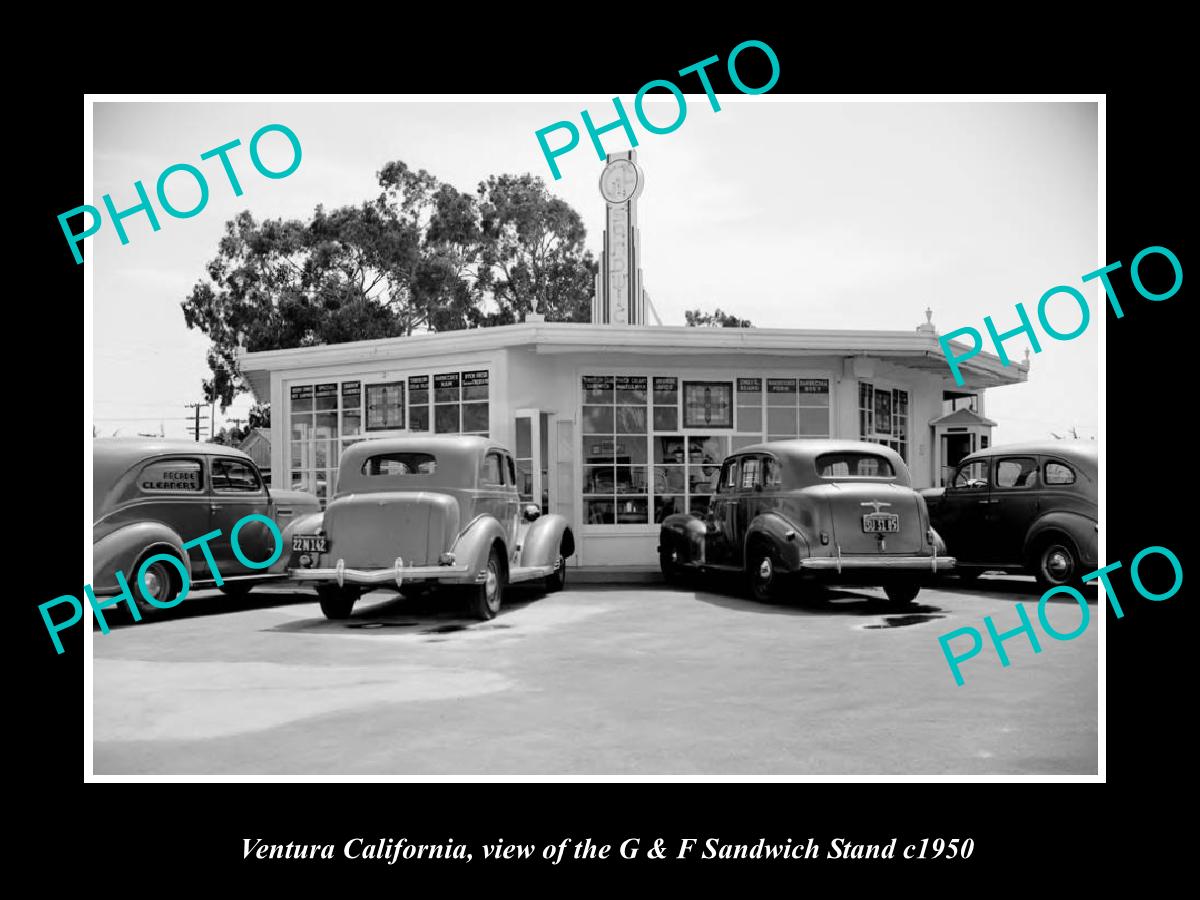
{"x":531,"y":512}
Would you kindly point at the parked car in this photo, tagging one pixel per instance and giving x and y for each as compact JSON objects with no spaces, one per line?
{"x":1027,"y":508}
{"x":152,"y":496}
{"x":799,"y":511}
{"x":441,"y":510}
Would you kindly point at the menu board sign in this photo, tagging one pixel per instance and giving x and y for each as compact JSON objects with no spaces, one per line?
{"x":814,"y":385}
{"x":302,"y":392}
{"x":351,"y":392}
{"x":474,"y":379}
{"x":749,"y":385}
{"x":631,"y":382}
{"x":418,"y":382}
{"x":781,"y":385}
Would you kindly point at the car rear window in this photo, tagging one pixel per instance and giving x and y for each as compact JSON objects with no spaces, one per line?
{"x":400,"y":464}
{"x":854,"y":465}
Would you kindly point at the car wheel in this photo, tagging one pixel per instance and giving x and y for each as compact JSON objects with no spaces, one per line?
{"x":902,"y":593}
{"x":557,"y":579}
{"x":162,"y":583}
{"x":672,"y":572}
{"x":485,"y":598}
{"x":336,"y":601}
{"x":1056,"y":563}
{"x":236,"y":589}
{"x":762,"y":574}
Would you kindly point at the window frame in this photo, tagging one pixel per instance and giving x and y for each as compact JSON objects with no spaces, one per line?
{"x":1000,"y":460}
{"x":988,"y":473}
{"x":1058,"y":462}
{"x":732,"y":439}
{"x":235,"y":492}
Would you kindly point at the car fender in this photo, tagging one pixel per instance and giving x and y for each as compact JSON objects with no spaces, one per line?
{"x":1079,"y":528}
{"x":547,"y":535}
{"x":684,"y":533}
{"x":790,"y":542}
{"x":474,"y":543}
{"x":304,"y":524}
{"x":119,"y":550}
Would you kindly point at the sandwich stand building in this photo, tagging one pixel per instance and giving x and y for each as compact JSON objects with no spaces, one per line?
{"x":617,"y":423}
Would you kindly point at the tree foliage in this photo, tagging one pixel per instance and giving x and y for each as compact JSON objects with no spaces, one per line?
{"x":697,"y":319}
{"x":422,"y":256}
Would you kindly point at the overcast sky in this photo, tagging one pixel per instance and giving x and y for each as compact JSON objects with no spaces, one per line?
{"x":792,"y":214}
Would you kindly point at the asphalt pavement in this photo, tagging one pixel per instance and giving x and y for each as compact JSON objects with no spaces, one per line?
{"x":628,"y":681}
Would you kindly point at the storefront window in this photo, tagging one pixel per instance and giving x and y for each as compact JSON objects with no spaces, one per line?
{"x":781,"y":409}
{"x":614,"y":432}
{"x":644,"y":456}
{"x":883,"y":416}
{"x":327,"y":417}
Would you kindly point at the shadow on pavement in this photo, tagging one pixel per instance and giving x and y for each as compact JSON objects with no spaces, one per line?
{"x":209,"y":602}
{"x":817,"y":600}
{"x":426,"y":613}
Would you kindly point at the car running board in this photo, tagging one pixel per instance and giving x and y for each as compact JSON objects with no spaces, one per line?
{"x":528,"y":573}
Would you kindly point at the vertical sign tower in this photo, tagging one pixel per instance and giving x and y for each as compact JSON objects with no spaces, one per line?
{"x":619,"y":299}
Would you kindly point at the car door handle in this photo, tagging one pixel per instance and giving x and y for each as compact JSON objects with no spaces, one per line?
{"x":215,"y":507}
{"x":987,"y":501}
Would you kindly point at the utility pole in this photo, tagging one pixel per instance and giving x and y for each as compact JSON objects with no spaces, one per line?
{"x":196,"y":407}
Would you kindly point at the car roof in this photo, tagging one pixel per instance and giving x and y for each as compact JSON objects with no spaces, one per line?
{"x":811,"y":448}
{"x":458,"y":458}
{"x":1079,"y":450}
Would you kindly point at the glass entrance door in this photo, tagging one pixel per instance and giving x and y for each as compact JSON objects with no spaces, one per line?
{"x":533,"y":456}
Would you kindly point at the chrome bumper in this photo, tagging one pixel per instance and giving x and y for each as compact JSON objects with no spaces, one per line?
{"x":886,"y":563}
{"x":398,"y":573}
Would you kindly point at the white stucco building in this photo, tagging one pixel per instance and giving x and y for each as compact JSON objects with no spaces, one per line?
{"x":617,"y":423}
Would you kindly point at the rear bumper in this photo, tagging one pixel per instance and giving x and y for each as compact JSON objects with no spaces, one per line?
{"x":397,"y":574}
{"x":878,"y":563}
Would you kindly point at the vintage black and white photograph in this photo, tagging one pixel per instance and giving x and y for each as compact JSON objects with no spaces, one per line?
{"x":466,"y":438}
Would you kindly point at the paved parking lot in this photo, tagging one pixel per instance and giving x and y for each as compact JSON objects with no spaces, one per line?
{"x":631,"y":681}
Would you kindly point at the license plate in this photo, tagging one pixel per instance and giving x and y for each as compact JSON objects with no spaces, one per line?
{"x":877,"y":522}
{"x":310,"y":543}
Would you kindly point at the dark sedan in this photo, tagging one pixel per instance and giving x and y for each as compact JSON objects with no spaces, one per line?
{"x":1026,"y":508}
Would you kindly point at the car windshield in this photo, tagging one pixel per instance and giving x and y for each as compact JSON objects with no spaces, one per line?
{"x":854,"y":465}
{"x":400,"y":464}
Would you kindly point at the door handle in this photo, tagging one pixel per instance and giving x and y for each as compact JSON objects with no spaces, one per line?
{"x":215,"y":507}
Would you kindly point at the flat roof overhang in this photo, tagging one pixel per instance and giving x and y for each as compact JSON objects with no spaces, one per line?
{"x":914,"y":350}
